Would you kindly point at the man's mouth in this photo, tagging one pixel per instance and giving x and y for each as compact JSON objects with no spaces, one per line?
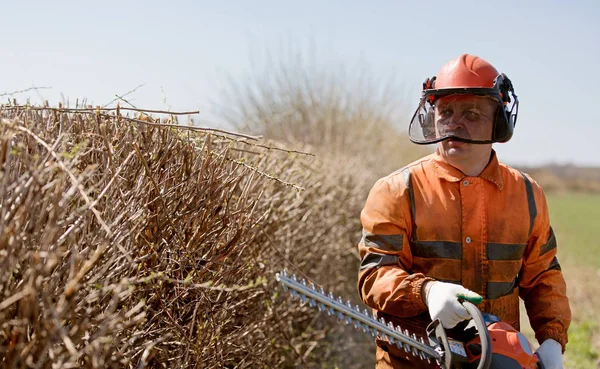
{"x":456,"y":143}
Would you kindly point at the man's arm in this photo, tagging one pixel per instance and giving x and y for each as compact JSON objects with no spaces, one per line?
{"x":384,"y":281}
{"x":541,"y":282}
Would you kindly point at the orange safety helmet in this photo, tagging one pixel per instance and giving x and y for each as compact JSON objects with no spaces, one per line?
{"x":465,"y":75}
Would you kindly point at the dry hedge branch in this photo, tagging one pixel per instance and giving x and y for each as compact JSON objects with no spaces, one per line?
{"x":127,"y":244}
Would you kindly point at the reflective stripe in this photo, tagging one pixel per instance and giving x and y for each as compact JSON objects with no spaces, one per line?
{"x":376,"y":260}
{"x":550,"y":244}
{"x":530,"y":201}
{"x":498,"y":289}
{"x":436,"y":249}
{"x":411,"y":196}
{"x":391,"y":242}
{"x":504,"y":251}
{"x":554,"y":265}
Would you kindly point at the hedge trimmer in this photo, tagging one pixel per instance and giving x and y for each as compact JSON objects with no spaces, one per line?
{"x":491,"y":344}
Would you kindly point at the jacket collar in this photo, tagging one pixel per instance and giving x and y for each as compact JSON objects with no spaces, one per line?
{"x":446,"y":171}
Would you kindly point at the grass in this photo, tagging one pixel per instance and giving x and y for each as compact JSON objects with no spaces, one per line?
{"x":582,"y":353}
{"x":574,"y":217}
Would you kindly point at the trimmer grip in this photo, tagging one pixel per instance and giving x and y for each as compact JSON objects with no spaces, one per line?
{"x":484,"y":335}
{"x":472,"y":299}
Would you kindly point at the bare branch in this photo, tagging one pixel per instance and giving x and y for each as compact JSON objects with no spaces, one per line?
{"x":34,"y":88}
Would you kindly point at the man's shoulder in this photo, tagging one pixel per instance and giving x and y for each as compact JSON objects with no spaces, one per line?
{"x":510,"y":172}
{"x":399,"y":179}
{"x":407,"y":169}
{"x":518,"y":176}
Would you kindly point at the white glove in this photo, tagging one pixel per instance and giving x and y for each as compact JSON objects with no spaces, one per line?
{"x":550,"y":354}
{"x":442,"y":301}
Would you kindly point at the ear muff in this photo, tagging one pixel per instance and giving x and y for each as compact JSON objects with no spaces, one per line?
{"x":503,"y":125}
{"x":505,"y":120}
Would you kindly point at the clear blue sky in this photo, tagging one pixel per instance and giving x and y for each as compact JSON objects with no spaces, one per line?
{"x":550,"y":49}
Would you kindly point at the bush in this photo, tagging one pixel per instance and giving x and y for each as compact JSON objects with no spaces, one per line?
{"x":136,"y":242}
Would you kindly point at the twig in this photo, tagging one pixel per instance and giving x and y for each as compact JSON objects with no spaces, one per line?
{"x":94,"y":109}
{"x":122,"y":98}
{"x":157,"y":189}
{"x":209,"y":286}
{"x":149,"y":347}
{"x":14,"y":298}
{"x":298,"y":188}
{"x":61,"y":329}
{"x":288,"y":338}
{"x":25,"y":90}
{"x":78,"y":185}
{"x":191,"y":128}
{"x":277,"y":148}
{"x":73,"y":284}
{"x":123,"y":95}
{"x":298,"y":269}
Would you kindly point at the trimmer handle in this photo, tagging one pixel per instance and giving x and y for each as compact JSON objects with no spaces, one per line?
{"x":484,"y":335}
{"x":457,"y":358}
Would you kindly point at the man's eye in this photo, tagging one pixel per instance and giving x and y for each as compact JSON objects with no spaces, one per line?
{"x":472,"y":116}
{"x":447,"y":112}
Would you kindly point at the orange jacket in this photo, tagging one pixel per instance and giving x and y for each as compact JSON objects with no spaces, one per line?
{"x":489,"y":233}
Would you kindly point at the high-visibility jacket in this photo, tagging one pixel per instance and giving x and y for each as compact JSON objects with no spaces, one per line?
{"x":490,"y":233}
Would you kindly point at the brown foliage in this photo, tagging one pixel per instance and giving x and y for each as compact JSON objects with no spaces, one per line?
{"x":132,"y":242}
{"x":126,"y":243}
{"x":131,"y":245}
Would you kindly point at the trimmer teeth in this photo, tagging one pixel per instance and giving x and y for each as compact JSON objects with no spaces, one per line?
{"x":366,"y":321}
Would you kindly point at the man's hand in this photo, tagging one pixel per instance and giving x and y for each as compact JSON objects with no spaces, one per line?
{"x":550,"y":354}
{"x":442,"y":301}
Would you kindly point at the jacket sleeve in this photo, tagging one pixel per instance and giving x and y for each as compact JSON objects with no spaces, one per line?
{"x":384,"y":280}
{"x":541,"y":282}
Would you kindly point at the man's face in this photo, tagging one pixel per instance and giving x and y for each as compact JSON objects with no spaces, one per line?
{"x":464,"y":116}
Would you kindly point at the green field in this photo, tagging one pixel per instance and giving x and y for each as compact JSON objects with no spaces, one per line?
{"x":576,"y":222}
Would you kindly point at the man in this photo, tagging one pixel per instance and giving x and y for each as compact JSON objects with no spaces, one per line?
{"x":458,"y":223}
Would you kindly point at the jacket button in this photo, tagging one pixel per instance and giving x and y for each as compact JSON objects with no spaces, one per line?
{"x":466,"y":182}
{"x":468,"y":240}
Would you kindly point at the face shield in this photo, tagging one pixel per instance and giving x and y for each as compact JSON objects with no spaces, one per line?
{"x":473,"y":115}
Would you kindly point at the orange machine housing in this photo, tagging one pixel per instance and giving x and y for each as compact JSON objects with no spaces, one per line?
{"x":510,"y":348}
